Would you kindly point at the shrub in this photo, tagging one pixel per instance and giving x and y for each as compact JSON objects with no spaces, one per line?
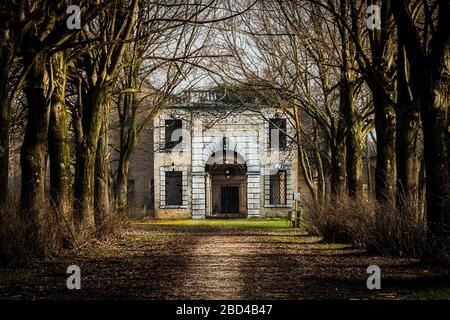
{"x":109,"y":223}
{"x":23,"y":238}
{"x":378,"y":228}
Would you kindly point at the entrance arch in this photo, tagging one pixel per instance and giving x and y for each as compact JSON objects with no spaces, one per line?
{"x":208,"y":150}
{"x":226,"y":185}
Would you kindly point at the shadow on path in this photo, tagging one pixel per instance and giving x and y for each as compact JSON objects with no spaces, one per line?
{"x":158,"y":262}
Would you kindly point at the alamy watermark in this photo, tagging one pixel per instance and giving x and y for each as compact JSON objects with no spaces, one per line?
{"x":374,"y":17}
{"x":74,"y":20}
{"x":73,"y":282}
{"x":374,"y":280}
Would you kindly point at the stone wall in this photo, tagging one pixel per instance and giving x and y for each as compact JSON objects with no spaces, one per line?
{"x":178,"y":160}
{"x":246,"y":133}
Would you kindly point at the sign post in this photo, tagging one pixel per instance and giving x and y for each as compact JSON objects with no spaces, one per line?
{"x":296,"y":197}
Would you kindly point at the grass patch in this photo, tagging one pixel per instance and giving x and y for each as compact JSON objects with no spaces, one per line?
{"x":254,"y":223}
{"x":119,"y":247}
{"x":331,"y":246}
{"x":103,"y":250}
{"x":296,"y":239}
{"x":313,"y":242}
{"x":155,"y":236}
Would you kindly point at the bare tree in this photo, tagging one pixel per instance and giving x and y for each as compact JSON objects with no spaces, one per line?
{"x":425,"y":38}
{"x":150,"y":75}
{"x":291,"y":49}
{"x":47,"y":30}
{"x":98,"y":69}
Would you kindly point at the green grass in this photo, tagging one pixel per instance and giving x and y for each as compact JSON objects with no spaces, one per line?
{"x":296,"y":239}
{"x":256,"y":223}
{"x":103,"y":250}
{"x":312,"y":242}
{"x":331,"y":246}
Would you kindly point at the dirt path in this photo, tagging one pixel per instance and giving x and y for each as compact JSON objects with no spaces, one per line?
{"x":155,"y":262}
{"x":216,"y":268}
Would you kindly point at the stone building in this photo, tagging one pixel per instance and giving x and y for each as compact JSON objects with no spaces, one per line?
{"x":203,"y":158}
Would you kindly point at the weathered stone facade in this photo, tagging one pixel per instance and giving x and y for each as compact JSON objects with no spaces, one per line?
{"x":210,"y":133}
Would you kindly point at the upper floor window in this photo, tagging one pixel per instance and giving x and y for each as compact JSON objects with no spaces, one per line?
{"x":277,"y":133}
{"x":173,"y":134}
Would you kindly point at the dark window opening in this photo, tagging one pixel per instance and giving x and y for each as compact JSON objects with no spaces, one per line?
{"x":172,"y":138}
{"x":280,"y":125}
{"x":278,"y":188}
{"x":174,"y":188}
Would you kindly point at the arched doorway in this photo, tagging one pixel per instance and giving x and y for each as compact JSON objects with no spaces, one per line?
{"x":226,"y":186}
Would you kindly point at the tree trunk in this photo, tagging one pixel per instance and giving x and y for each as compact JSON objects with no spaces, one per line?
{"x":430,"y":77}
{"x":58,"y":139}
{"x":354,"y":165}
{"x":434,"y":105}
{"x":385,"y":171}
{"x":34,"y":148}
{"x":354,"y":139}
{"x":338,"y":163}
{"x":352,"y":155}
{"x":321,"y":183}
{"x":83,"y":187}
{"x":406,"y":153}
{"x":93,"y":104}
{"x":304,"y":171}
{"x":121,"y":187}
{"x":5,"y":119}
{"x":407,"y":121}
{"x":381,"y":84}
{"x":127,"y":144}
{"x":101,"y":194}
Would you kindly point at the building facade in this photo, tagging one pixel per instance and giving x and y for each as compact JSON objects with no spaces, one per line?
{"x":214,"y":160}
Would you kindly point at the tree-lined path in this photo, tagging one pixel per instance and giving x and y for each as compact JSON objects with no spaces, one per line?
{"x":221,"y":260}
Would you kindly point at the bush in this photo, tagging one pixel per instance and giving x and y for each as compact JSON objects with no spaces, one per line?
{"x":23,"y":238}
{"x":378,"y":228}
{"x":109,"y":223}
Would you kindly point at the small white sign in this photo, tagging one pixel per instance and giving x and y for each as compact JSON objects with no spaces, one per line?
{"x":296,"y":196}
